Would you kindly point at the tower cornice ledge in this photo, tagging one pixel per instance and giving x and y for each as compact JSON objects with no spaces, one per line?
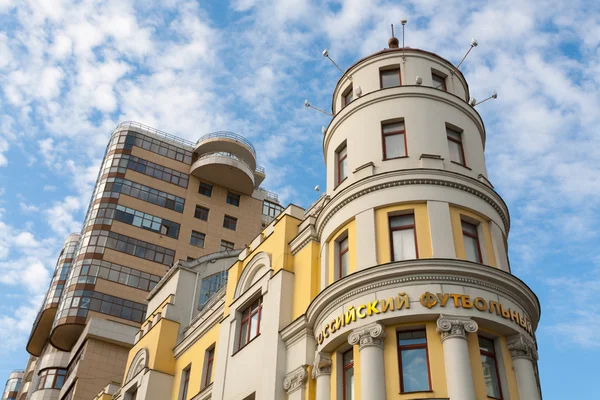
{"x":418,"y":176}
{"x":403,"y":274}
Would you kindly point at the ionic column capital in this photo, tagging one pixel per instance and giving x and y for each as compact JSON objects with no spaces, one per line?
{"x":295,"y":379}
{"x":322,"y":365}
{"x":521,"y":347}
{"x":370,"y":335}
{"x":455,"y":327}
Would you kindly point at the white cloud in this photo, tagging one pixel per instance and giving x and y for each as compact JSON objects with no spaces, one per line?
{"x":28,"y":208}
{"x":61,"y":216}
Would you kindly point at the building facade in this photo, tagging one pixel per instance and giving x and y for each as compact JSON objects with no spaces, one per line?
{"x":13,"y":384}
{"x":157,"y":199}
{"x":395,"y":284}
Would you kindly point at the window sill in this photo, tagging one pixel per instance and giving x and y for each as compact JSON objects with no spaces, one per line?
{"x":394,"y":158}
{"x":339,"y":183}
{"x":462,"y":165}
{"x":244,"y":346}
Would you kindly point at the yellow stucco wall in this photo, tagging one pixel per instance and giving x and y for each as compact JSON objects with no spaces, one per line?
{"x":194,"y":356}
{"x":306,"y":278}
{"x":459,"y":244}
{"x":383,"y":232}
{"x":332,"y":242}
{"x":160,"y":341}
{"x":276,"y":245}
{"x":513,"y":390}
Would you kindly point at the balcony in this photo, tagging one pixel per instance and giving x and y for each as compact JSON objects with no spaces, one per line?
{"x":227,"y":142}
{"x":229,"y":170}
{"x":41,"y":331}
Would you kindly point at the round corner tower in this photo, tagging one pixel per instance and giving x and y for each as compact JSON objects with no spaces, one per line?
{"x":415,"y":287}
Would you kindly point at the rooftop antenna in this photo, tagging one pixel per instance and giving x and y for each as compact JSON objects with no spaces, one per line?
{"x":326,"y":55}
{"x":403,"y":24}
{"x":474,"y":102}
{"x":307,"y":105}
{"x":473,"y":44}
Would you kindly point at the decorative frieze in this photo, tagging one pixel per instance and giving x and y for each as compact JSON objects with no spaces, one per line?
{"x":370,"y":335}
{"x":455,"y":327}
{"x":296,"y":379}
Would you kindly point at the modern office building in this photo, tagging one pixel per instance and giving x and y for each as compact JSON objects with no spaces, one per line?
{"x":157,"y":199}
{"x":395,"y":284}
{"x":13,"y":385}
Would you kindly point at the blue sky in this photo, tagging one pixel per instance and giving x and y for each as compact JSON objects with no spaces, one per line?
{"x":71,"y":71}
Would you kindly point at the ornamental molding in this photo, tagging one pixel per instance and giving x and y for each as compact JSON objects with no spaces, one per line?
{"x":295,"y":379}
{"x":306,"y":236}
{"x":499,"y":207}
{"x":322,"y":365}
{"x":358,"y":284}
{"x":454,"y":327}
{"x":139,"y":363}
{"x":521,"y":347}
{"x":371,"y":335}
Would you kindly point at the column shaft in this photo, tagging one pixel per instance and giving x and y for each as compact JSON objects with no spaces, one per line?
{"x":372,"y":371}
{"x":524,"y":354}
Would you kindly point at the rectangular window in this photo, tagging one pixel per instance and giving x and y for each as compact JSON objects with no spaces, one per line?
{"x":225,"y":245}
{"x":250,"y":323}
{"x":394,"y":140}
{"x":389,"y":77}
{"x":343,"y":258}
{"x":209,"y":356}
{"x":271,"y":209}
{"x":471,"y":239}
{"x":348,"y":371}
{"x":403,"y":237}
{"x":347,"y":97}
{"x":197,"y":239}
{"x":439,"y":81}
{"x":490,"y":368}
{"x":233,"y":199}
{"x":230,"y":222}
{"x":185,"y":382}
{"x":342,"y":164}
{"x":201,"y":213}
{"x":133,"y":395}
{"x":457,"y":152}
{"x":211,"y":285}
{"x":413,"y":361}
{"x":205,"y":189}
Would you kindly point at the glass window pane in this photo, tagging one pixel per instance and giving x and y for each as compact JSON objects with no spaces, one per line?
{"x":343,"y":169}
{"x":469,"y":228}
{"x":349,"y":384}
{"x":404,"y":244}
{"x":344,"y":264}
{"x":438,"y":82}
{"x":402,"y":220}
{"x":486,"y":345}
{"x":471,"y":249}
{"x":394,"y":146}
{"x":254,"y":326}
{"x":390,"y":78}
{"x":490,"y":375}
{"x":415,"y":375}
{"x":455,"y":152}
{"x":410,"y":338}
{"x":244,"y":334}
{"x":394,"y":127}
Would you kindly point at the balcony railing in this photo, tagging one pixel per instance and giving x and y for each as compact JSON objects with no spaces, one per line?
{"x":270,"y":195}
{"x":232,"y":156}
{"x":155,"y":131}
{"x":228,"y":135}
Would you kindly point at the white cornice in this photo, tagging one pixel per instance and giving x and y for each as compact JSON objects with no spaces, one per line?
{"x":413,"y":177}
{"x":448,"y":271}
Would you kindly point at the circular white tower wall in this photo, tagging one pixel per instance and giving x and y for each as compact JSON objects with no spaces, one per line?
{"x":418,"y":63}
{"x":425,"y":113}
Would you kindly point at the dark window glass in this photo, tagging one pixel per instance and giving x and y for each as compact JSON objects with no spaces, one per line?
{"x":439,"y":82}
{"x":225,"y":245}
{"x":457,"y":152}
{"x":201,"y":213}
{"x":205,"y":189}
{"x":471,"y":239}
{"x":211,"y":285}
{"x":197,"y":239}
{"x":271,"y":209}
{"x":230,"y":222}
{"x":233,"y":199}
{"x":348,"y":374}
{"x":210,"y":360}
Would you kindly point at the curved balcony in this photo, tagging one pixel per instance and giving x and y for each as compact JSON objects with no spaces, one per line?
{"x":41,"y":331}
{"x":64,"y":335}
{"x":228,"y":142}
{"x":229,"y":170}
